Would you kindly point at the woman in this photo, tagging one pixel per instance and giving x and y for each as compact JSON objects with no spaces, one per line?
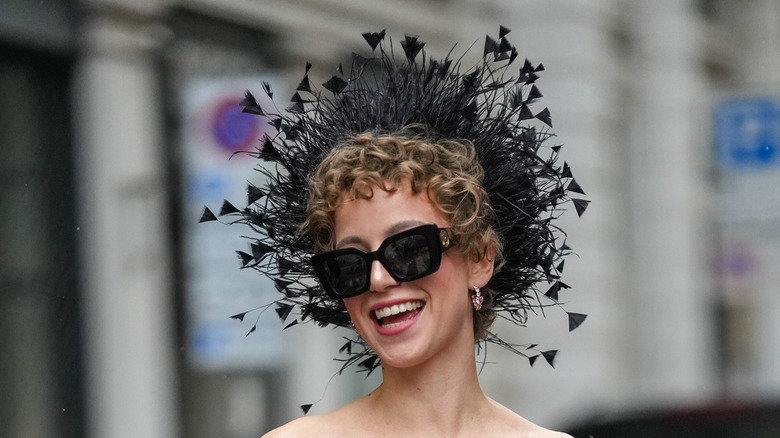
{"x":425,"y":198}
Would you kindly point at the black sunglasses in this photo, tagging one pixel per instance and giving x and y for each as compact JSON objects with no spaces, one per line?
{"x":406,"y":256}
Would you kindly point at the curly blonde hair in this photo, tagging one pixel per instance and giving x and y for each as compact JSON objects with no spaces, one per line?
{"x":446,"y":169}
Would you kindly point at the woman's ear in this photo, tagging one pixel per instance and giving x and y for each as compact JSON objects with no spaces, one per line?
{"x":480,"y":271}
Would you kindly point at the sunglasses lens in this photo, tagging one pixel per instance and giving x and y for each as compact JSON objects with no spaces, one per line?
{"x":408,"y":258}
{"x":346,"y":273}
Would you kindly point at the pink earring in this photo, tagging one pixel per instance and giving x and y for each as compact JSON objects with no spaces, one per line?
{"x":477,"y":299}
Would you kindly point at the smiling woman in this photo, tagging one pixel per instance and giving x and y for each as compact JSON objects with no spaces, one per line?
{"x":421,"y":199}
{"x":445,"y":174}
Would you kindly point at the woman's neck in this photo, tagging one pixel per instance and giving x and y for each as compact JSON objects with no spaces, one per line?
{"x":442,"y":395}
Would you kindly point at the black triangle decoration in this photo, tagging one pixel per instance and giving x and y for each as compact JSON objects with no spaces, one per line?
{"x":254,"y":327}
{"x":544,"y":116}
{"x":227,"y":208}
{"x":552,"y":293}
{"x":283,"y":310}
{"x":575,"y":320}
{"x":574,"y":187}
{"x":566,"y":173}
{"x":239,"y":316}
{"x":549,"y":356}
{"x":245,"y":258}
{"x":253,"y":194}
{"x":207,"y":215}
{"x":580,"y":205}
{"x":250,"y":105}
{"x":335,"y":85}
{"x":374,"y":38}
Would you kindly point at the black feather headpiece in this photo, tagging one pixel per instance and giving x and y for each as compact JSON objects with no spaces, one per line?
{"x":489,"y":104}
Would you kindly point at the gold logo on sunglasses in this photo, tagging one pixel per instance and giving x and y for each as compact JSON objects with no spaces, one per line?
{"x":445,"y":238}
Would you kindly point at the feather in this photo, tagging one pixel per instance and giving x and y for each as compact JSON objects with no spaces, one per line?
{"x":335,"y":85}
{"x":296,"y":105}
{"x":207,"y":215}
{"x":227,"y":208}
{"x":574,"y":187}
{"x":552,"y":293}
{"x":260,"y":249}
{"x":566,"y":171}
{"x":252,"y":330}
{"x":283,"y":310}
{"x":281,"y":284}
{"x":534,"y":94}
{"x":253,"y":194}
{"x":304,"y":84}
{"x":504,"y":46}
{"x":269,"y":152}
{"x":374,"y":38}
{"x":491,"y":46}
{"x":246,"y":259}
{"x":412,"y":47}
{"x":249,"y":105}
{"x":580,"y":205}
{"x":528,"y":68}
{"x":544,"y":116}
{"x":239,"y":316}
{"x":575,"y":320}
{"x":549,"y":356}
{"x":369,"y":363}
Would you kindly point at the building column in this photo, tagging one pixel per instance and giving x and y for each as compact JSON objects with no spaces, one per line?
{"x":672,"y":224}
{"x":122,"y":218}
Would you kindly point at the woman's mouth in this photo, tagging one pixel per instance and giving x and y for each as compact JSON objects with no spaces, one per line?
{"x":397,"y":314}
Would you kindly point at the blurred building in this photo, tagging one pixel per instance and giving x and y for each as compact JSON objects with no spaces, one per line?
{"x":668,"y":110}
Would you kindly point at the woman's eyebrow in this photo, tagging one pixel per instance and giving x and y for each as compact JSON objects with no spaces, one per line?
{"x":348,"y":241}
{"x":402,"y":226}
{"x":393,"y":229}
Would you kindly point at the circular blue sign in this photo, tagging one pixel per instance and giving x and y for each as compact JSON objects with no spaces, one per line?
{"x":232,"y":129}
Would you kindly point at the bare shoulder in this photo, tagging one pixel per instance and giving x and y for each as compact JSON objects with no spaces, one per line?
{"x":545,"y":433}
{"x":528,"y":429}
{"x":300,"y":427}
{"x":317,"y":425}
{"x":512,"y":424}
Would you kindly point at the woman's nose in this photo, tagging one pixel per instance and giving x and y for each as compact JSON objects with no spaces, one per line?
{"x":380,"y":278}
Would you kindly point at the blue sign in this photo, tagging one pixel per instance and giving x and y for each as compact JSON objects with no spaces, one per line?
{"x":747,"y":133}
{"x":232,"y":129}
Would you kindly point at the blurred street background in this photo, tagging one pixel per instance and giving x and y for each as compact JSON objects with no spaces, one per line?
{"x":118,"y":119}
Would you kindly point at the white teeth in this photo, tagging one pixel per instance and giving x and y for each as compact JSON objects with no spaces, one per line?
{"x":395,"y":309}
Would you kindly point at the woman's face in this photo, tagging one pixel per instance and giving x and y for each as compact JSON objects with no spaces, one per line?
{"x":431,"y":312}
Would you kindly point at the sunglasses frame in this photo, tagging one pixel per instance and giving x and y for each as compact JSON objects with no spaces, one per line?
{"x":438,"y":240}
